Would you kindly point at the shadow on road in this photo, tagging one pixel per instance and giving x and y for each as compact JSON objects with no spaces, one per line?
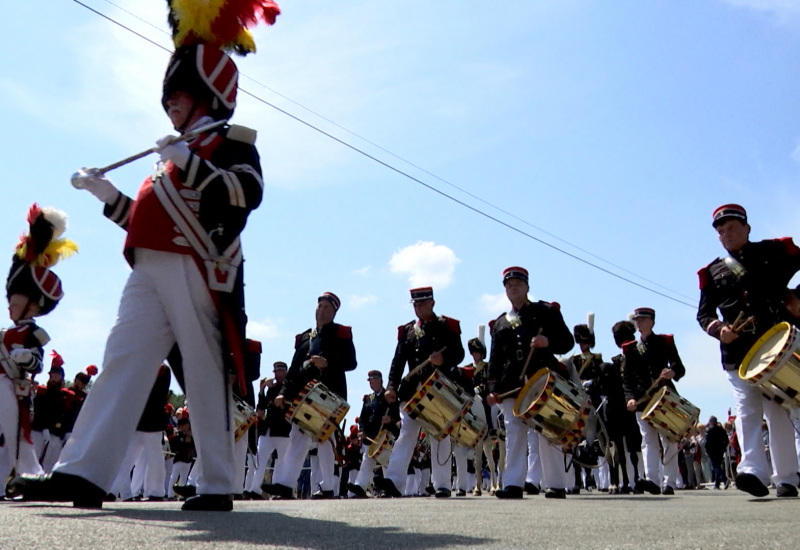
{"x":274,"y":528}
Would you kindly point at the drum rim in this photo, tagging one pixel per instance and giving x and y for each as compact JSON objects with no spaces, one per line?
{"x":524,"y":391}
{"x":656,"y":399}
{"x":748,"y":358}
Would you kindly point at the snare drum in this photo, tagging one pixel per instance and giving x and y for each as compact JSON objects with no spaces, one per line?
{"x":472,"y":428}
{"x":381,"y":447}
{"x":554,"y":407}
{"x":773,"y":364}
{"x":244,"y":417}
{"x":670,"y":414}
{"x":317,"y":411}
{"x":438,"y":405}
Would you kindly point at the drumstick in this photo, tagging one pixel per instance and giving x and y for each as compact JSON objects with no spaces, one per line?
{"x":744,"y":325}
{"x":528,"y":360}
{"x":421,"y":366}
{"x":506,"y":394}
{"x":647,"y":394}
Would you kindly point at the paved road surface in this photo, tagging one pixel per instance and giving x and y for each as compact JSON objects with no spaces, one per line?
{"x":690,"y":519}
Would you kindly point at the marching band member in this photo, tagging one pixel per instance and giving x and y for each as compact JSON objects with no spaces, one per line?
{"x":273,"y":428}
{"x":623,"y":430}
{"x":436,"y":342}
{"x":32,"y":290}
{"x":477,"y":349}
{"x":750,"y":281}
{"x":52,"y":408}
{"x":324,"y":353}
{"x":376,"y":414}
{"x":185,"y":286}
{"x":651,"y":363}
{"x":529,"y":329}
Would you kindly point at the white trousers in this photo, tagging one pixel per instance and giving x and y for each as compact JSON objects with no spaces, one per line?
{"x":164,"y":301}
{"x":663,"y":472}
{"x":751,"y":408}
{"x":145,"y":454}
{"x":367,"y":469}
{"x":27,"y":462}
{"x":550,"y":456}
{"x":266,"y":445}
{"x":288,"y":468}
{"x":397,"y":469}
{"x":179,"y":475}
{"x":534,"y":473}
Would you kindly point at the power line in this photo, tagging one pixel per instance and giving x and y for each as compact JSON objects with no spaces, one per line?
{"x":417,"y":180}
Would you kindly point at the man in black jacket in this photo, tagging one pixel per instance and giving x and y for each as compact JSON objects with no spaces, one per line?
{"x":536,"y":329}
{"x":436,"y":341}
{"x":324,"y":354}
{"x":750,"y":284}
{"x":651,"y":363}
{"x":273,"y":428}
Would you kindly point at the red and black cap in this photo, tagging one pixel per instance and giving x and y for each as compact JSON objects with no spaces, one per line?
{"x":647,"y":312}
{"x":87,"y":374}
{"x":515,"y":273}
{"x":57,"y":363}
{"x":332,"y":298}
{"x":728,"y":212}
{"x":422,"y":293}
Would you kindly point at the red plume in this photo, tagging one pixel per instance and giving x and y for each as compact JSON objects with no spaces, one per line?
{"x":91,"y":370}
{"x":57,"y":359}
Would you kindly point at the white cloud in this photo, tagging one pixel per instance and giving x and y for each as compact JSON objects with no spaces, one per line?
{"x":263,"y":330}
{"x":426,"y":264}
{"x":494,"y":304}
{"x":363,"y":271}
{"x":783,"y":9}
{"x":358,"y":302}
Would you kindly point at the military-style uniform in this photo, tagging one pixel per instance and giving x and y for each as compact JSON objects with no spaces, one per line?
{"x":619,"y":421}
{"x":643,"y":362}
{"x":334,"y":342}
{"x":273,"y":433}
{"x":15,"y":394}
{"x":512,"y":334}
{"x":52,"y":412}
{"x":752,"y":282}
{"x":416,"y":341}
{"x":373,"y":409}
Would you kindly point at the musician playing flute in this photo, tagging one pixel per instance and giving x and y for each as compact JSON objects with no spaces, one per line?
{"x":186,"y":285}
{"x":323,"y":354}
{"x":525,"y":340}
{"x":650,"y":363}
{"x":746,"y":289}
{"x":435,"y":343}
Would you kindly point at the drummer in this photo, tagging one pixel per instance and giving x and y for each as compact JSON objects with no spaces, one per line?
{"x":436,"y":341}
{"x":650,"y":363}
{"x":534,"y":329}
{"x":324,"y":353}
{"x":376,"y":414}
{"x":747,"y":287}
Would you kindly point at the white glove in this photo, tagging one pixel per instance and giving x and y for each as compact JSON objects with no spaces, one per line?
{"x":23,"y":358}
{"x":176,"y":151}
{"x":96,"y":184}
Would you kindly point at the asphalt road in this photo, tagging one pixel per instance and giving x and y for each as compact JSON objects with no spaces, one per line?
{"x":690,"y":519}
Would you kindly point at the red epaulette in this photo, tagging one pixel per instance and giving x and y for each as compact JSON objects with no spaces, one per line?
{"x":453,"y":324}
{"x":669,"y":339}
{"x":705,"y":277}
{"x":298,"y":339}
{"x":789,"y":246}
{"x":628,"y":345}
{"x":343,"y":331}
{"x":253,"y":346}
{"x":401,"y":332}
{"x":41,"y":389}
{"x":555,"y":305}
{"x":366,"y":398}
{"x":491,"y":324}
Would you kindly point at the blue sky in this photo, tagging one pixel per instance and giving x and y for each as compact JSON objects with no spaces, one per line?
{"x":615,"y":127}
